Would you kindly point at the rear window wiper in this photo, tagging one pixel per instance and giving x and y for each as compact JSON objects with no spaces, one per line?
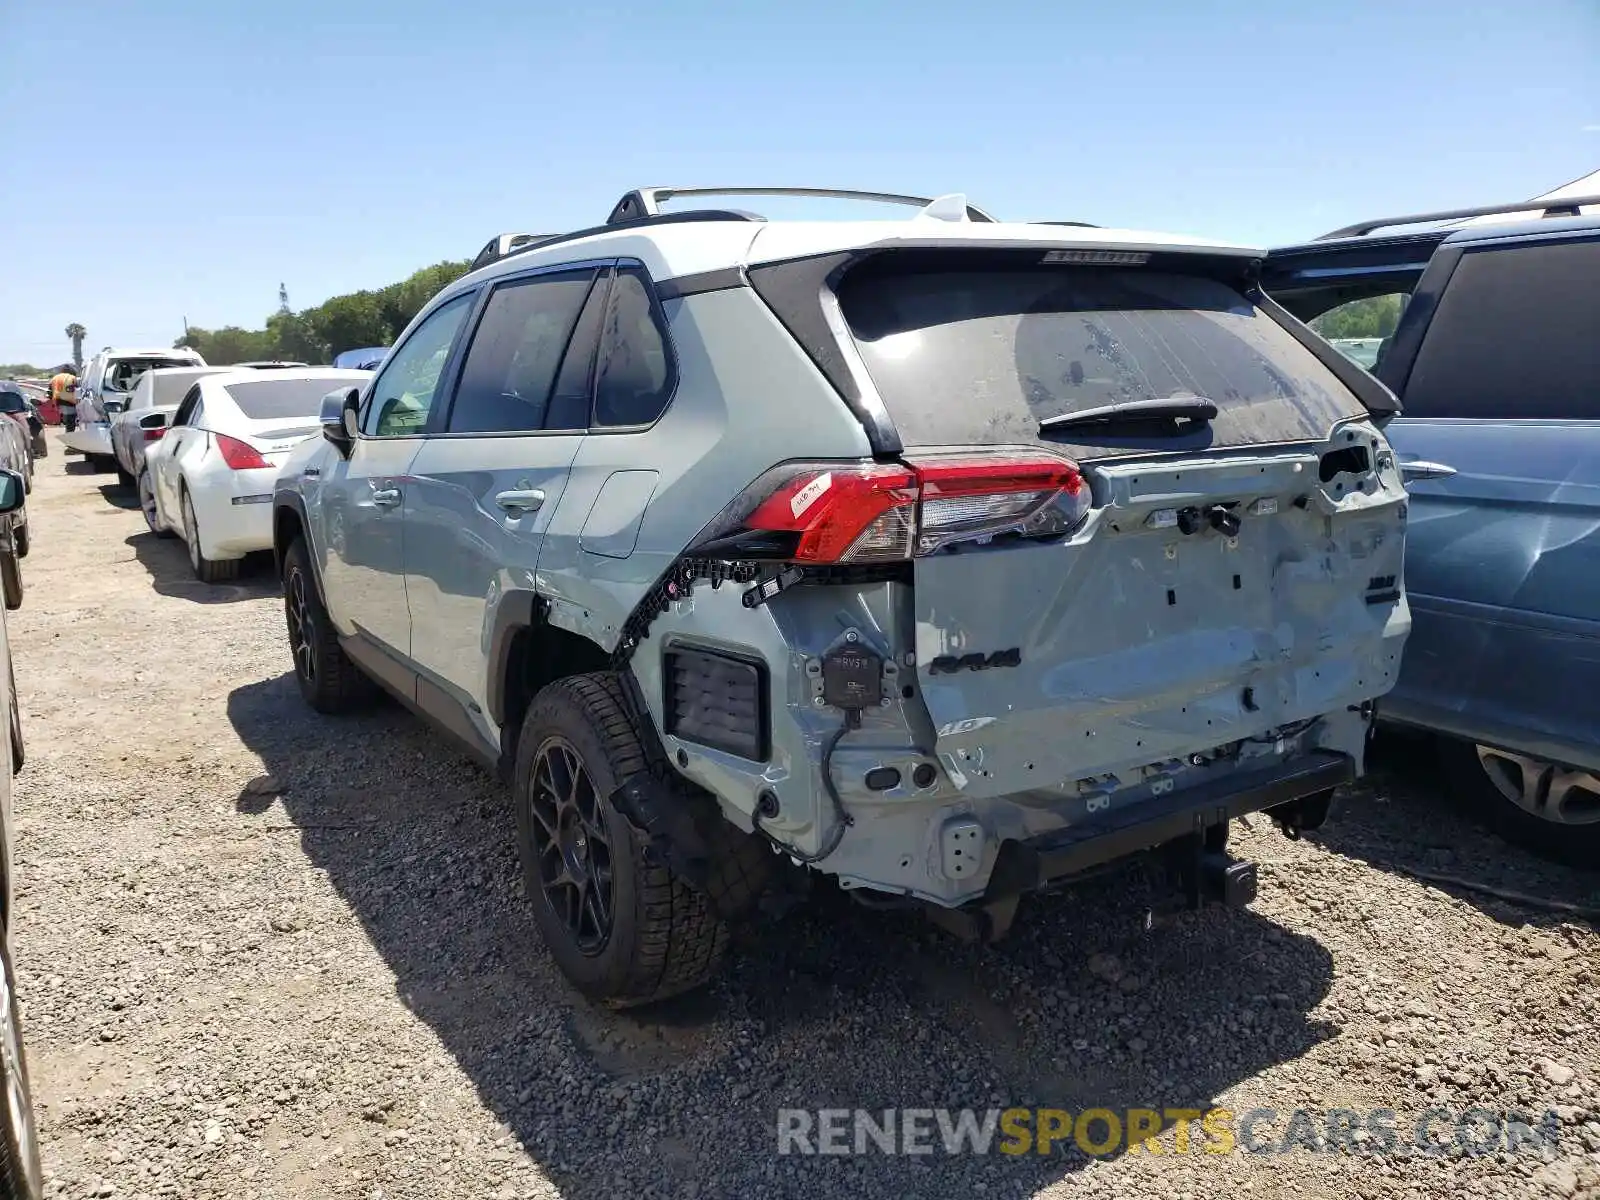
{"x":1178,"y":411}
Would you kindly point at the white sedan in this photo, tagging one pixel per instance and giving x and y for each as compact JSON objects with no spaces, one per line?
{"x":210,"y":477}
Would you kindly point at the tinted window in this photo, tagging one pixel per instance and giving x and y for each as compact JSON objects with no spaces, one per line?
{"x":402,"y":395}
{"x":981,"y":356}
{"x":634,"y":378}
{"x":1515,"y":335}
{"x":282,"y":399}
{"x":516,"y":351}
{"x":13,"y":402}
{"x":186,"y":410}
{"x":574,"y":390}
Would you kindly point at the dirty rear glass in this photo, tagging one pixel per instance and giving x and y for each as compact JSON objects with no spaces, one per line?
{"x":981,"y":356}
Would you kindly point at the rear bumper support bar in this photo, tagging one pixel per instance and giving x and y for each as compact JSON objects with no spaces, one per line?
{"x":1022,"y":866}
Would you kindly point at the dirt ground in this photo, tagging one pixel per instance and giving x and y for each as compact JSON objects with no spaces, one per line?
{"x":264,"y":953}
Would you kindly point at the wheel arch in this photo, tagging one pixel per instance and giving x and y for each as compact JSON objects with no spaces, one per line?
{"x":526,"y":654}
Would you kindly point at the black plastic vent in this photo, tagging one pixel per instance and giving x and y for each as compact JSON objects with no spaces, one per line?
{"x":717,"y":700}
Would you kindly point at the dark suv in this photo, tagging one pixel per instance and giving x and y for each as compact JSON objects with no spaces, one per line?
{"x":1495,"y":357}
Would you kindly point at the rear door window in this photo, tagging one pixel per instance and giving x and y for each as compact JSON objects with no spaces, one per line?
{"x":1515,"y":335}
{"x":635,"y":376}
{"x":981,"y":355}
{"x":516,"y":352}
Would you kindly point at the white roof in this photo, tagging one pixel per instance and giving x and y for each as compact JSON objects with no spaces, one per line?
{"x":671,"y":249}
{"x":334,"y":375}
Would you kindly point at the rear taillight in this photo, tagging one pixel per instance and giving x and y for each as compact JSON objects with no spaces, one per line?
{"x":240,"y":456}
{"x":888,"y":512}
{"x":153,"y":435}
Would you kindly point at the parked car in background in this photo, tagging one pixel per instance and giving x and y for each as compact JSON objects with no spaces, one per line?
{"x":20,"y":1170}
{"x":155,"y":398}
{"x":15,"y":537}
{"x":1496,"y":361}
{"x":16,"y":406}
{"x":954,"y":559}
{"x":16,"y":445}
{"x":104,"y":389}
{"x":210,"y":478}
{"x":367,"y":359}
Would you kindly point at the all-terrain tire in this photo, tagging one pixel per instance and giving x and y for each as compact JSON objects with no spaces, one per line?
{"x":665,"y":937}
{"x":329,"y":682}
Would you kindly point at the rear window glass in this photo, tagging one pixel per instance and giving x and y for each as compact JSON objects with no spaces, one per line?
{"x":282,"y":399}
{"x":981,"y":356}
{"x":170,"y":389}
{"x":123,"y":373}
{"x":13,"y":402}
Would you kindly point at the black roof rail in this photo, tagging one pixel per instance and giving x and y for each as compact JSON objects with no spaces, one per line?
{"x":537,"y":241}
{"x":646,"y":202}
{"x":1075,"y":224}
{"x":1566,"y":206}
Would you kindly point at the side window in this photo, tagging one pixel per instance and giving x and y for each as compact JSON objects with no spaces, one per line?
{"x":1359,"y":329}
{"x":516,"y":352}
{"x":635,"y":375}
{"x":403,"y":393}
{"x":1514,"y":336}
{"x":188,"y":408}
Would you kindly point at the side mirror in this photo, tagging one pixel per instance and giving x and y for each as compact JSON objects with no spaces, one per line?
{"x":339,"y":418}
{"x":12,"y":492}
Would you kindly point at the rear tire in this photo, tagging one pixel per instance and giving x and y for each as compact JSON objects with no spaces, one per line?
{"x":147,"y":504}
{"x":21,"y":1176}
{"x":206,"y":570}
{"x":1558,"y":815}
{"x":11,"y":579}
{"x":329,"y":682}
{"x":623,"y":928}
{"x":125,"y":477}
{"x":101,"y":462}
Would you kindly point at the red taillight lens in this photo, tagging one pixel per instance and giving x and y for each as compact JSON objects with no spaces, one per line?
{"x":153,"y":435}
{"x":877,"y":512}
{"x":240,"y":456}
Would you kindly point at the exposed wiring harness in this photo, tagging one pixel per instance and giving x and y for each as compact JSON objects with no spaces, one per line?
{"x":841,"y":818}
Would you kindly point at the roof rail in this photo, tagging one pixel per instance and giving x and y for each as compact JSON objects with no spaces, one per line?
{"x":646,"y":202}
{"x":1564,"y":206}
{"x":498,"y":247}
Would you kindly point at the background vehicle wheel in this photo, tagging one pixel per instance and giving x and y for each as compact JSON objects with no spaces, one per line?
{"x":21,"y":1177}
{"x":124,"y":477}
{"x":147,"y":503}
{"x":206,"y":570}
{"x":623,"y":929}
{"x":1549,"y":809}
{"x":11,"y":579}
{"x":19,"y":750}
{"x":101,"y":462}
{"x":328,"y":680}
{"x":22,"y":537}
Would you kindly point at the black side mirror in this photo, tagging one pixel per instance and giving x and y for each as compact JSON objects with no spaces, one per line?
{"x":12,"y":492}
{"x":341,"y":418}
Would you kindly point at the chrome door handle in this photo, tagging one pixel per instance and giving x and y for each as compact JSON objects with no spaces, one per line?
{"x":1417,"y":469}
{"x":517,"y":503}
{"x":386,"y":497}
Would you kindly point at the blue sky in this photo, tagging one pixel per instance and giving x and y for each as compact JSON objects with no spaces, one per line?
{"x":174,"y":158}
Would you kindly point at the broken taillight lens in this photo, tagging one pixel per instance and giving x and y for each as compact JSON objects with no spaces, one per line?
{"x":889,"y":512}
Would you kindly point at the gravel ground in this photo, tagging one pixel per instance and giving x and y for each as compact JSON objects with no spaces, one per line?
{"x":264,"y":953}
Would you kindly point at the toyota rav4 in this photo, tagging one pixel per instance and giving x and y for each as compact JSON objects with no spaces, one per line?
{"x":947,"y":557}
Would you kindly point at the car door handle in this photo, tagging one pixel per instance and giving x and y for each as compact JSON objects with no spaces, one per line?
{"x":519,"y":502}
{"x":386,"y":497}
{"x":1417,"y":469}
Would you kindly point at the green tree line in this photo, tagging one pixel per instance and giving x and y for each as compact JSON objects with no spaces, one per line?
{"x":20,"y":370}
{"x":315,"y":335}
{"x":1374,"y":317}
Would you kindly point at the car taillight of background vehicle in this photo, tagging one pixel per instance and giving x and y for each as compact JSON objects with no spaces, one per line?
{"x":888,"y":512}
{"x":241,"y":456}
{"x":154,"y":435}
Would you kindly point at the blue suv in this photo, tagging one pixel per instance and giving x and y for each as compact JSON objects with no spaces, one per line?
{"x":1495,"y":358}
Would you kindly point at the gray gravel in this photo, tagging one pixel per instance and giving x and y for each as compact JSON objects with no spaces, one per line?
{"x":264,"y":953}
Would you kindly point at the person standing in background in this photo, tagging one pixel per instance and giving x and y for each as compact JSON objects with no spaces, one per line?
{"x":64,"y":393}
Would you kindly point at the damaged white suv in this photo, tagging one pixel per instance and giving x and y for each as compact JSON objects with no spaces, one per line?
{"x":947,"y":557}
